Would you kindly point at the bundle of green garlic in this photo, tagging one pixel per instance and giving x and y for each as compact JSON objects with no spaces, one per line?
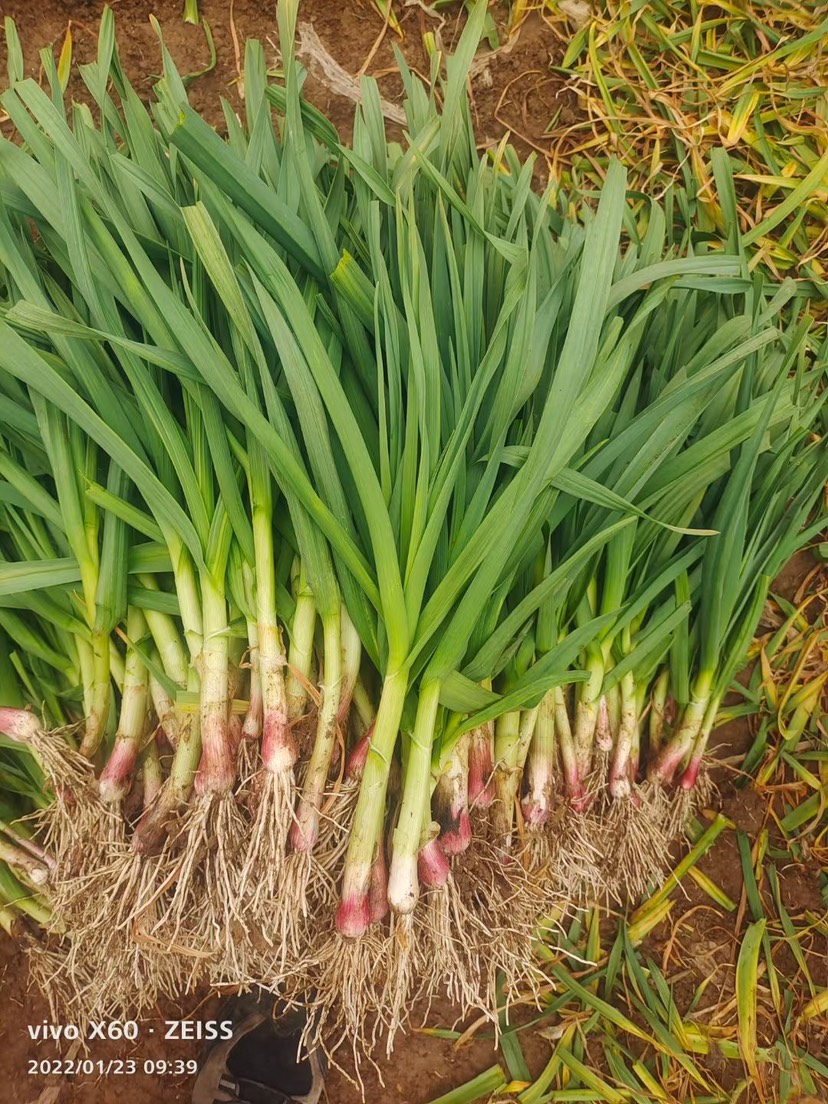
{"x":378,"y":538}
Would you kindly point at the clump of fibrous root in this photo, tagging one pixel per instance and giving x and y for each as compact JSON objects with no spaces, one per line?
{"x":232,"y":876}
{"x":66,"y":825}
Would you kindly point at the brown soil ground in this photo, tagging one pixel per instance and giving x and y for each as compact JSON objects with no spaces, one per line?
{"x":513,"y":91}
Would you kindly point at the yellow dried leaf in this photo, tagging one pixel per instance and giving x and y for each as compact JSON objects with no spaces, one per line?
{"x":64,"y":66}
{"x":817,"y":1006}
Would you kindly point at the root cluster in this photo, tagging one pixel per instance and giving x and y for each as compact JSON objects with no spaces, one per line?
{"x":226,"y":901}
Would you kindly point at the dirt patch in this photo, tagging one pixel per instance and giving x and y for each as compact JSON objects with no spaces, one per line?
{"x":514,"y":91}
{"x":159,"y":1064}
{"x":512,"y":88}
{"x":153,"y":1070}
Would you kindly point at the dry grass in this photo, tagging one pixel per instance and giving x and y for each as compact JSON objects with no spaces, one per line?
{"x":662,"y":84}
